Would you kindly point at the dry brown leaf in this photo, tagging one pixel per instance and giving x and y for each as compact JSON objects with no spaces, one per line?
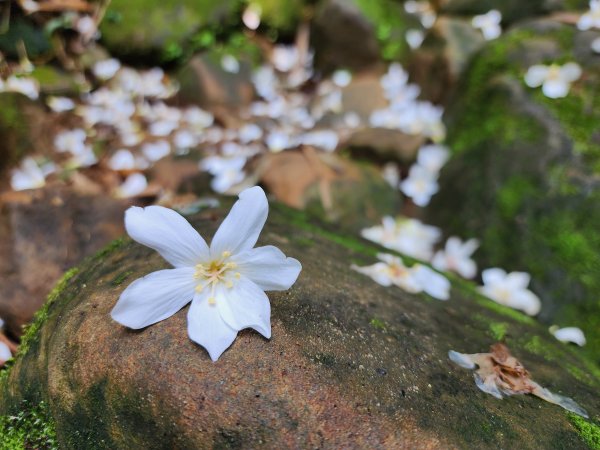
{"x":499,"y":373}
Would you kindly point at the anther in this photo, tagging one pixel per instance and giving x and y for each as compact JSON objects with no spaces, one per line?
{"x":211,"y":300}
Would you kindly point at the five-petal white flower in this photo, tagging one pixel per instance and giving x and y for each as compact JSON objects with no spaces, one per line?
{"x":420,"y":185}
{"x":225,"y":282}
{"x":457,"y":257}
{"x":489,"y":24}
{"x":591,"y":18}
{"x":555,"y":79}
{"x":510,"y":290}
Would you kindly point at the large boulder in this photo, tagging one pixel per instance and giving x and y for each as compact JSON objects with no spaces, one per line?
{"x":525,"y":176}
{"x":157,"y":31}
{"x":30,"y":261}
{"x":351,"y":364}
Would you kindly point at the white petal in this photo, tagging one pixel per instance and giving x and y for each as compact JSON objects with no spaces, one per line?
{"x":461,"y":359}
{"x":570,"y":334}
{"x":555,"y":89}
{"x":240,"y":229}
{"x":571,"y":71}
{"x":269,"y":268}
{"x":536,"y":75}
{"x":493,"y":276}
{"x":488,"y":385}
{"x":526,"y":301}
{"x":5,"y":353}
{"x":432,"y":282}
{"x":154,"y":297}
{"x":168,"y":233}
{"x":466,"y":268}
{"x":517,"y":280}
{"x":245,"y":305}
{"x":207,"y":328}
{"x":378,"y":272}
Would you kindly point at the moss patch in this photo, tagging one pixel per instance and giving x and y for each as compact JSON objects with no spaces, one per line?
{"x":31,"y":428}
{"x":589,"y":432}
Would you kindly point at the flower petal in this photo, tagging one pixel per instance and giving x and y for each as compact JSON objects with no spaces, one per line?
{"x":207,"y":328}
{"x":245,"y":305}
{"x":536,"y":75}
{"x":269,"y":268}
{"x":555,"y":88}
{"x":154,"y":297}
{"x":517,"y":280}
{"x":240,"y":229}
{"x":168,"y":233}
{"x":493,"y":276}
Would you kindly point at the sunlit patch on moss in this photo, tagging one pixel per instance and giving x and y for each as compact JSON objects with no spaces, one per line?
{"x":588,"y":431}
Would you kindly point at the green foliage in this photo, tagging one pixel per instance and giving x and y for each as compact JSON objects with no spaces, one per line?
{"x":589,"y":432}
{"x":31,"y":428}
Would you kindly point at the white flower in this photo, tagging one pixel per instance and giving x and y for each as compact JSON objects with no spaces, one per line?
{"x":596,"y":45}
{"x":122,"y":159}
{"x":227,"y":172}
{"x":489,"y":24}
{"x":423,"y":10}
{"x":135,"y":184}
{"x":87,"y":27}
{"x":408,"y":236}
{"x":5,"y":353}
{"x":28,"y":176}
{"x":394,"y":81}
{"x":456,"y":257}
{"x":420,"y":185}
{"x":230,"y":64}
{"x":555,"y":79}
{"x":391,"y":174}
{"x":341,"y":78}
{"x":433,"y":157}
{"x":26,"y":86}
{"x":277,"y":141}
{"x":414,"y":38}
{"x":510,"y":290}
{"x":590,"y":19}
{"x":225,"y":281}
{"x":569,"y":334}
{"x":184,"y":139}
{"x":284,"y":58}
{"x":249,"y":132}
{"x":72,"y":141}
{"x":392,"y":271}
{"x":60,"y":104}
{"x":105,"y":70}
{"x":324,"y":139}
{"x":84,"y":157}
{"x":431,"y":282}
{"x":251,"y":16}
{"x":155,"y":151}
{"x":198,"y":118}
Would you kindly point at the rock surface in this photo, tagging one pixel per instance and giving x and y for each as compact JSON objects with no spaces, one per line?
{"x":351,"y":364}
{"x":30,"y":263}
{"x":525,"y":176}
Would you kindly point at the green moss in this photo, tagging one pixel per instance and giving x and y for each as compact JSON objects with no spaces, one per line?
{"x":282,"y":15}
{"x":512,"y":195}
{"x":588,"y":431}
{"x":120,"y":278}
{"x":498,"y":330}
{"x":390,"y":24}
{"x":114,"y":245}
{"x":31,"y":331}
{"x":31,"y":428}
{"x":378,"y":324}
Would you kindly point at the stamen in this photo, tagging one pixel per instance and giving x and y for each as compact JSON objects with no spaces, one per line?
{"x":229,"y":284}
{"x":226,"y":254}
{"x":211,"y":301}
{"x":237,"y":275}
{"x":199,"y":288}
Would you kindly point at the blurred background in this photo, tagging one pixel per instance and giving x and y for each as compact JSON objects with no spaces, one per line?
{"x":329,"y":105}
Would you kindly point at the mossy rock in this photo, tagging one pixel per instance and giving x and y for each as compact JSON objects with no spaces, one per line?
{"x":17,"y":30}
{"x":351,"y":364}
{"x":159,"y":31}
{"x":525,"y":177}
{"x":23,"y":128}
{"x":512,"y":10}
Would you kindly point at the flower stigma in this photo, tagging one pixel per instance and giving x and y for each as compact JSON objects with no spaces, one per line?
{"x":214,"y":272}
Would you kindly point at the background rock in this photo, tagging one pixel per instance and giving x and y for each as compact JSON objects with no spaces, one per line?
{"x":351,"y":364}
{"x":525,"y":177}
{"x":43,"y":233}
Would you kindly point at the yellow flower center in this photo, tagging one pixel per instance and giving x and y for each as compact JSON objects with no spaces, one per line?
{"x":215,"y":272}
